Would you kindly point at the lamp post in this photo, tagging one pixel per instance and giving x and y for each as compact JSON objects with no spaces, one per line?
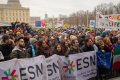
{"x":87,"y":18}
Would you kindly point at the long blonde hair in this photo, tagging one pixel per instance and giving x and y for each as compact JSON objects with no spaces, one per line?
{"x":105,"y":39}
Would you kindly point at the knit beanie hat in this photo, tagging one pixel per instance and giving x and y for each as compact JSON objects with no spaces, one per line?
{"x":5,"y":37}
{"x":83,"y":36}
{"x":32,"y":41}
{"x":98,"y":37}
{"x":104,"y":33}
{"x":97,"y":33}
{"x":73,"y":37}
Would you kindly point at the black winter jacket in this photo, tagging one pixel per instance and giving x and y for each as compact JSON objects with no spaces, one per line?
{"x":71,"y":50}
{"x":6,"y":50}
{"x":85,"y":48}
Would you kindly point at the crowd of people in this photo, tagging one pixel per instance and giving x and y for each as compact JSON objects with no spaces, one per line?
{"x":21,"y":41}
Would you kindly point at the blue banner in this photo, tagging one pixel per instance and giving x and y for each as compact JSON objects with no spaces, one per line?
{"x":38,"y":23}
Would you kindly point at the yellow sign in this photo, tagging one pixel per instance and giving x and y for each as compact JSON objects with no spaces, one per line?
{"x":66,"y":25}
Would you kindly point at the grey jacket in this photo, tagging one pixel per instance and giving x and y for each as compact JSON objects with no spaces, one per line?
{"x":17,"y":53}
{"x":71,"y":50}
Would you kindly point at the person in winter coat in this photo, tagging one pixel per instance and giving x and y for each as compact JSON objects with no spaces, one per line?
{"x":116,"y":41}
{"x":69,"y":42}
{"x":19,"y":51}
{"x":104,"y":34}
{"x":6,"y":47}
{"x":81,"y":42}
{"x":43,"y":49}
{"x":88,"y":46}
{"x":65,"y":47}
{"x":32,"y":47}
{"x":99,"y":43}
{"x":107,"y":45}
{"x":26,"y":38}
{"x":84,"y":37}
{"x":74,"y":49}
{"x":58,"y":50}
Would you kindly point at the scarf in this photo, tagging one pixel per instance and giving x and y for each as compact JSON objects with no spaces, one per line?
{"x":101,"y":45}
{"x":33,"y":51}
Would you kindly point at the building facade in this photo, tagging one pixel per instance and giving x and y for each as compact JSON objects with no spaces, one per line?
{"x":33,"y":19}
{"x":13,"y":11}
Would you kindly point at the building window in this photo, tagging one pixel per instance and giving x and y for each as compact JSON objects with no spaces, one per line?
{"x":23,"y":19}
{"x":27,"y":19}
{"x":6,"y":14}
{"x":10,"y":19}
{"x":13,"y":19}
{"x":20,"y":14}
{"x":6,"y":10}
{"x":13,"y":14}
{"x":16,"y":11}
{"x":16,"y":18}
{"x":1,"y":18}
{"x":20,"y":19}
{"x":26,"y":14}
{"x":1,"y":14}
{"x":23,"y":14}
{"x":23,"y":11}
{"x":10,"y":14}
{"x":6,"y":19}
{"x":16,"y":14}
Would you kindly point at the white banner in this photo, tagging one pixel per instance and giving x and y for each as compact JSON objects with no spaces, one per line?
{"x":58,"y":24}
{"x":53,"y":67}
{"x":111,"y":21}
{"x":24,"y":69}
{"x":80,"y":66}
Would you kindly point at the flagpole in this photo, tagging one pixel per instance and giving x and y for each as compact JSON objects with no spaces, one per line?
{"x":53,"y":22}
{"x":96,"y":20}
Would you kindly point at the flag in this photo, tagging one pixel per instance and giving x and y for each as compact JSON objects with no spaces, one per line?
{"x":104,"y":59}
{"x":15,"y":29}
{"x":20,"y":28}
{"x":116,"y":57}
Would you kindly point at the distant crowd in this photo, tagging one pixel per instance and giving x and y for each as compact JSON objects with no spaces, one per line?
{"x":22,"y":41}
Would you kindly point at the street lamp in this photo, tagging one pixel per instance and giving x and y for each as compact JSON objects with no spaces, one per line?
{"x":87,"y":18}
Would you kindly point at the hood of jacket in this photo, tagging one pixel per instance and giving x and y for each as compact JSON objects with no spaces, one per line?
{"x":3,"y":43}
{"x":17,"y":49}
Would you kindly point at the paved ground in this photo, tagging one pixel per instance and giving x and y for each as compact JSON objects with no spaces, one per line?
{"x":118,"y":78}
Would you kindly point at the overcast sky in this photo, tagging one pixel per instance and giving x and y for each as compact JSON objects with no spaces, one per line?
{"x":56,"y":7}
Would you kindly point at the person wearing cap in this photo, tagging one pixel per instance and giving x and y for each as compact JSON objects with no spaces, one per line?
{"x":32,"y":47}
{"x":104,"y":34}
{"x":6,"y":46}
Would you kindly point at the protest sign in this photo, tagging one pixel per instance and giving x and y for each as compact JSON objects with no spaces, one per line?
{"x":38,"y":23}
{"x":24,"y":69}
{"x":92,"y":23}
{"x":108,"y":21}
{"x":58,"y":24}
{"x":53,"y":67}
{"x":80,"y":66}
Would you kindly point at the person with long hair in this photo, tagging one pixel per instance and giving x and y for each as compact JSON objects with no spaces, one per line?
{"x":65,"y":47}
{"x":43,"y":49}
{"x":69,"y":42}
{"x":58,"y":50}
